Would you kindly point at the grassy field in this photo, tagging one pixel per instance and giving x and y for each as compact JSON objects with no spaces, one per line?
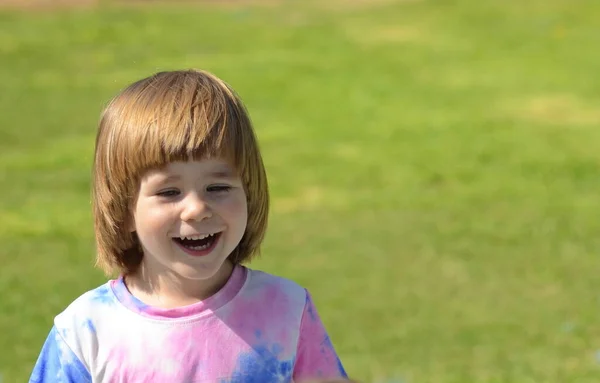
{"x":434,"y":165}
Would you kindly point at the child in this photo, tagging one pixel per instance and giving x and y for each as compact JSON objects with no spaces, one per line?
{"x":180,"y":201}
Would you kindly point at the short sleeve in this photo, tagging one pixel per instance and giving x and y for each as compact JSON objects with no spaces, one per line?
{"x":316,"y":356}
{"x":58,"y":364}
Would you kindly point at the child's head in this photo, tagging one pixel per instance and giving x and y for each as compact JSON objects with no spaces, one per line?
{"x":170,"y":117}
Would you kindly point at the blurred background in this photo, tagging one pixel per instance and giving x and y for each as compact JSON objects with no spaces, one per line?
{"x":434,"y":168}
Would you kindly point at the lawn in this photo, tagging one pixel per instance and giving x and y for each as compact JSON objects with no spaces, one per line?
{"x":434,"y":168}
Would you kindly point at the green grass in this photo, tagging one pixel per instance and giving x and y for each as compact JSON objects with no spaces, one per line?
{"x":434,"y":165}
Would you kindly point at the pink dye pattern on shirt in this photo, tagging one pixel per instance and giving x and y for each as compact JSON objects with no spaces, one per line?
{"x":257,"y":328}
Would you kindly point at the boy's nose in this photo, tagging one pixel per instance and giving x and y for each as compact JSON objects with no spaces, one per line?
{"x":195,"y":209}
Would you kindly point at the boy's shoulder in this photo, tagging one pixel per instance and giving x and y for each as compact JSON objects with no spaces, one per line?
{"x":275,"y":287}
{"x":93,"y":303}
{"x":262,"y":279}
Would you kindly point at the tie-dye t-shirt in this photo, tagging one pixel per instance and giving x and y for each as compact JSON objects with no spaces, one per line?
{"x":257,"y":328}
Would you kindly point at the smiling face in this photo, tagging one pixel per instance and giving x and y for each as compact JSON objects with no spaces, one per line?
{"x":171,"y":118}
{"x":189,"y":217}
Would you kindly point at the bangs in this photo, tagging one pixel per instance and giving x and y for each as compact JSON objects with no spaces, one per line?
{"x":178,"y":119}
{"x":192,"y":135}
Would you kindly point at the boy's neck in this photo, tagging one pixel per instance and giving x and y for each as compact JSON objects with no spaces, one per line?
{"x":166,"y":290}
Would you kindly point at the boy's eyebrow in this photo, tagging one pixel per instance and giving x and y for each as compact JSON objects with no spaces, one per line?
{"x":222,"y":173}
{"x":163,"y":180}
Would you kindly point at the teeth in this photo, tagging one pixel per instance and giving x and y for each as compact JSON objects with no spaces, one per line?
{"x":196,"y":248}
{"x":197,"y":237}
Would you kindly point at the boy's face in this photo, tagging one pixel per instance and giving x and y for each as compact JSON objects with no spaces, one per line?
{"x":189,"y":216}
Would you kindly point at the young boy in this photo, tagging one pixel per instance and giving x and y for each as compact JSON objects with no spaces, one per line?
{"x":180,"y":201}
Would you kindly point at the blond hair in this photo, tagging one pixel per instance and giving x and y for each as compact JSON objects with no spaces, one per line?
{"x":170,"y":116}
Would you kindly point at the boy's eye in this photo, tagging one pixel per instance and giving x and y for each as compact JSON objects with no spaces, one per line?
{"x":168,"y":193}
{"x":218,"y":188}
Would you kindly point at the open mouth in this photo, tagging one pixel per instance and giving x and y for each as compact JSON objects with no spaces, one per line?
{"x":198,"y":244}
